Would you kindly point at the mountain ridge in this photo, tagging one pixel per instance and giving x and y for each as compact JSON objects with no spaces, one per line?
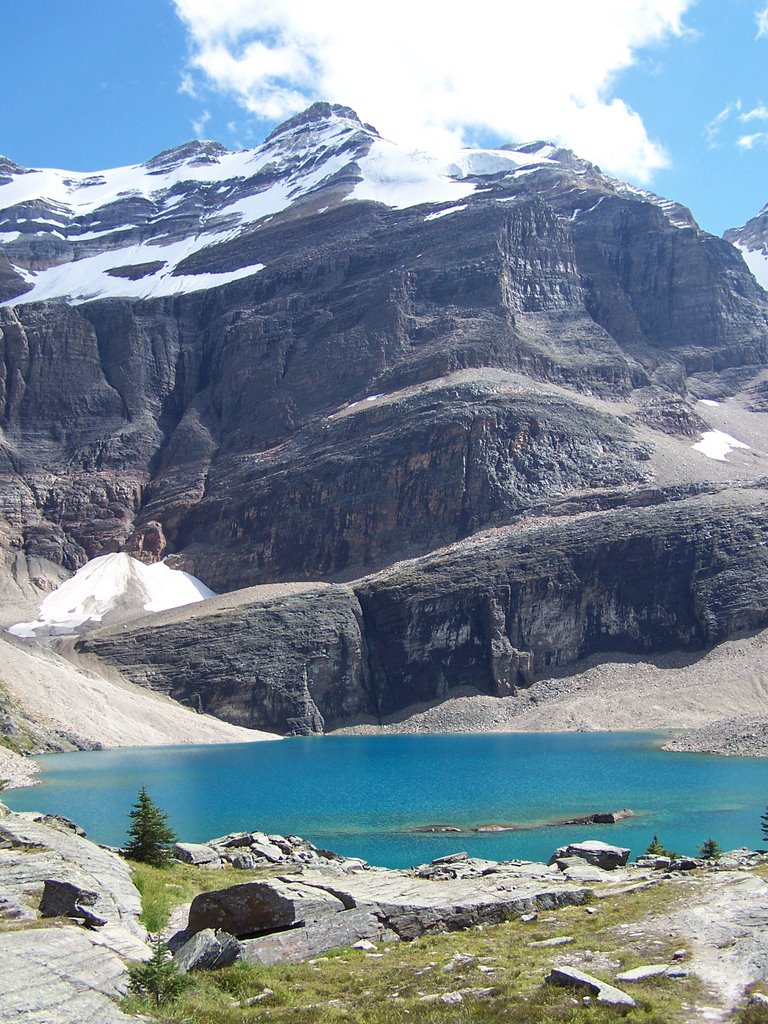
{"x":382,"y":355}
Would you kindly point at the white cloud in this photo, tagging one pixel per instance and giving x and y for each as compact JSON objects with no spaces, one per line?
{"x":422,"y":75}
{"x":761,"y":17}
{"x":198,"y":126}
{"x":750,"y":141}
{"x":713,"y":129}
{"x":758,"y":113}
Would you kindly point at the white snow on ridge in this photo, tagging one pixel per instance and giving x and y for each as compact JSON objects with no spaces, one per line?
{"x":708,"y":401}
{"x":717,"y":445}
{"x":88,"y":278}
{"x":444,"y":213}
{"x":757,"y":262}
{"x":402,"y":178}
{"x":112,"y":589}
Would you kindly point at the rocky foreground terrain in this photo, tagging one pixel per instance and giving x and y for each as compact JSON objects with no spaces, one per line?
{"x":691,"y":933}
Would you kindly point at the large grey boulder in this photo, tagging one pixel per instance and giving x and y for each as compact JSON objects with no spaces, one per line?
{"x":602,"y":855}
{"x":317,"y":937}
{"x":200,"y":854}
{"x":604,"y":993}
{"x":261,"y":907}
{"x":68,"y":900}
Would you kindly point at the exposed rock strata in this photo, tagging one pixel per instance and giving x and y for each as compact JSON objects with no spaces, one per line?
{"x":494,"y":613}
{"x":208,"y":425}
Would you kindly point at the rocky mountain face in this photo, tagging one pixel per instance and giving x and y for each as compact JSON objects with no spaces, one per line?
{"x":312,"y":360}
{"x":493,"y":614}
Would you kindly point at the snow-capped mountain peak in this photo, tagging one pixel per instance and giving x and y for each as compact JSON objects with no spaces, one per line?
{"x":132,"y":231}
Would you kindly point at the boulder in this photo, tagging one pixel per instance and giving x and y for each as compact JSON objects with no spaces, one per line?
{"x":261,"y":907}
{"x":208,"y":950}
{"x":603,"y":992}
{"x":61,"y":898}
{"x":641,"y":973}
{"x":602,"y":855}
{"x":349,"y":928}
{"x":199,"y":854}
{"x":686,"y":864}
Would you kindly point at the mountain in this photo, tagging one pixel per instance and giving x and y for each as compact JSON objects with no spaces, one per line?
{"x":752,"y":241}
{"x":421,"y":378}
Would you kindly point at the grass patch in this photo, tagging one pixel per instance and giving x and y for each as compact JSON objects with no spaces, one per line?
{"x":403,"y":983}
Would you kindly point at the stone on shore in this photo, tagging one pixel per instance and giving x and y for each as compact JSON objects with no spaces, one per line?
{"x":602,"y":855}
{"x":604,"y":993}
{"x":199,"y":854}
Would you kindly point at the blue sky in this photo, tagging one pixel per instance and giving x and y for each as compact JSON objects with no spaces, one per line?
{"x":635,"y":85}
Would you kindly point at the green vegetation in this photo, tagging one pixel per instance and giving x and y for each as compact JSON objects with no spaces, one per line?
{"x":764,"y":825}
{"x":656,"y":849}
{"x":710,"y":849}
{"x":151,"y":839}
{"x":158,"y":980}
{"x":402,"y":982}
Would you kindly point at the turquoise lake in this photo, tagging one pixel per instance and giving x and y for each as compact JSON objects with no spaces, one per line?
{"x":364,"y":796}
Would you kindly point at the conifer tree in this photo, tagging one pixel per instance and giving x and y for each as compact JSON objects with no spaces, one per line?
{"x":710,"y":849}
{"x":151,"y":838}
{"x":159,"y":978}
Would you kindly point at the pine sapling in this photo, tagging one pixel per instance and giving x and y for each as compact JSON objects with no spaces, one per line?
{"x":159,"y":978}
{"x":151,"y":839}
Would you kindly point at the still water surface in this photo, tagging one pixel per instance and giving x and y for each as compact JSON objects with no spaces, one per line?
{"x":364,"y":796}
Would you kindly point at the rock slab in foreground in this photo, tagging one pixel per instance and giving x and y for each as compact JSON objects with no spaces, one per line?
{"x":208,"y":951}
{"x":603,"y":992}
{"x":59,"y":976}
{"x":385,"y":904}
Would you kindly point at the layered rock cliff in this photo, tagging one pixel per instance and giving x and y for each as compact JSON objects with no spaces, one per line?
{"x":126,"y":415}
{"x":312,"y":360}
{"x":492,"y":613}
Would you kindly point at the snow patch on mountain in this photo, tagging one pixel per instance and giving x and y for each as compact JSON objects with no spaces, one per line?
{"x":717,"y":445}
{"x":111,"y":589}
{"x":757,"y":261}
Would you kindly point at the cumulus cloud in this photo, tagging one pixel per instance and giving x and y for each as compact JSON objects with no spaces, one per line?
{"x":424,"y":76}
{"x":761,"y":17}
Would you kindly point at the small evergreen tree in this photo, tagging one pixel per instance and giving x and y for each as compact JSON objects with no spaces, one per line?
{"x":656,"y":849}
{"x":151,"y":838}
{"x":764,"y":825}
{"x":158,"y":978}
{"x":710,"y":849}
